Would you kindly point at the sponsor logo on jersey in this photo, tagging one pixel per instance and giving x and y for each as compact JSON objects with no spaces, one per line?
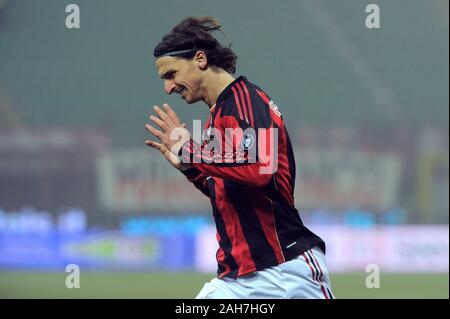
{"x":274,"y":108}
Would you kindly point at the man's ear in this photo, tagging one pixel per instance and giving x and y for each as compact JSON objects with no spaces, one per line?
{"x":201,"y":59}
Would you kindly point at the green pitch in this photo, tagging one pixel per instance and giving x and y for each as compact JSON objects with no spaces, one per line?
{"x":186,"y":285}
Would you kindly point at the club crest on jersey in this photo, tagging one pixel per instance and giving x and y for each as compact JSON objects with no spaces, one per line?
{"x":247,"y":142}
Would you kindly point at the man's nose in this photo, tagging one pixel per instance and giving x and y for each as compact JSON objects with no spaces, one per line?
{"x":169,"y":87}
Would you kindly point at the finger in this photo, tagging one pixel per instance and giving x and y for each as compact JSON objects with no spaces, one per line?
{"x":154,"y":131}
{"x":151,"y":144}
{"x":160,"y":123}
{"x":183,"y":125}
{"x":171,"y":113}
{"x":162,"y":115}
{"x":154,"y":144}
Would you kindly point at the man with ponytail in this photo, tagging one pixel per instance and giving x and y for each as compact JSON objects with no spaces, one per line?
{"x":245,"y":165}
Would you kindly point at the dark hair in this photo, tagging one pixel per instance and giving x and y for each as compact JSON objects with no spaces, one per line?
{"x":193,"y":34}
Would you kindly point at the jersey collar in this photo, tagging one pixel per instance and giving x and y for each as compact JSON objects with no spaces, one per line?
{"x":227,"y":90}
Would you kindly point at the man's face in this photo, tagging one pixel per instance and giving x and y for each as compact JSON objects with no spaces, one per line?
{"x":182,"y":76}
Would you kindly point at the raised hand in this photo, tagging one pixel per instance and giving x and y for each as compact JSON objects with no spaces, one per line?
{"x":172,"y":136}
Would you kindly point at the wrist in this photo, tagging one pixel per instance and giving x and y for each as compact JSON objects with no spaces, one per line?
{"x":184,"y":168}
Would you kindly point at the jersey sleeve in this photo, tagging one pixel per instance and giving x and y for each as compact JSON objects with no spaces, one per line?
{"x":243,"y":144}
{"x":198,"y":178}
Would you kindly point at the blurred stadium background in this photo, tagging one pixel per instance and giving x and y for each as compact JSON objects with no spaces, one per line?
{"x":367,"y":112}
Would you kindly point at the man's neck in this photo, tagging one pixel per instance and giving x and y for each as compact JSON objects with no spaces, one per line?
{"x":216,"y":82}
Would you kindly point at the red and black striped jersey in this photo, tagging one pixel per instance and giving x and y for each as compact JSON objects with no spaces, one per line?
{"x":245,"y":165}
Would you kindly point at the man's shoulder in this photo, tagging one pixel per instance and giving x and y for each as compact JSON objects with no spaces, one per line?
{"x":243,"y":95}
{"x":248,"y":105}
{"x":251,"y":86}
